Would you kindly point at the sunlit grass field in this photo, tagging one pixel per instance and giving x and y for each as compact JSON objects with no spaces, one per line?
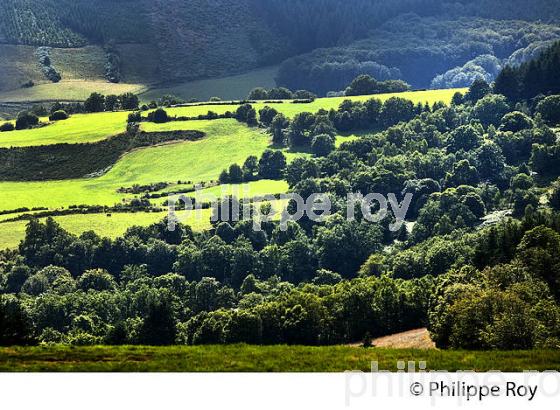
{"x":82,"y":128}
{"x":248,"y":190}
{"x":11,"y":233}
{"x":290,"y":109}
{"x":243,"y":358}
{"x":79,"y":128}
{"x":114,"y":224}
{"x":227,"y":142}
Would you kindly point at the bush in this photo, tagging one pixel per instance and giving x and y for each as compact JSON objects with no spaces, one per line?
{"x":159,"y":116}
{"x":95,"y":103}
{"x":7,"y":126}
{"x":258,"y":93}
{"x":247,"y":114}
{"x":549,"y":109}
{"x":322,"y":145}
{"x":134,"y":117}
{"x":554,"y":196}
{"x":26,"y":120}
{"x":516,"y":121}
{"x":96,"y":279}
{"x":366,"y":84}
{"x":59,"y":115}
{"x":491,"y":109}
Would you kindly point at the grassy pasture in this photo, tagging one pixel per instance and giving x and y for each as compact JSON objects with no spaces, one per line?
{"x":290,"y":109}
{"x":430,"y":96}
{"x":11,"y":233}
{"x":249,"y":190}
{"x":79,"y":128}
{"x":227,"y":142}
{"x":244,"y":358}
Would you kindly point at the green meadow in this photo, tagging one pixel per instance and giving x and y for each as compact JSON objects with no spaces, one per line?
{"x":79,"y":128}
{"x":105,"y":225}
{"x":290,"y":109}
{"x":227,"y":142}
{"x":113,"y":225}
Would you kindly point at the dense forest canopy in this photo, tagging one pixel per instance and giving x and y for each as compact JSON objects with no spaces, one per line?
{"x":538,"y":76}
{"x":422,"y":51}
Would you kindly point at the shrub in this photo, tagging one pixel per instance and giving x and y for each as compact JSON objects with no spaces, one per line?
{"x":26,"y":120}
{"x":7,"y":126}
{"x":491,"y":109}
{"x":516,"y":121}
{"x":322,"y":145}
{"x":258,"y":93}
{"x":59,"y":115}
{"x":134,"y":117}
{"x":96,"y":279}
{"x":159,"y":116}
{"x":549,"y":108}
{"x":95,"y":103}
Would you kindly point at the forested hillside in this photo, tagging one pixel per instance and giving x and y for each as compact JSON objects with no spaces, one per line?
{"x":423,"y":51}
{"x":147,"y":42}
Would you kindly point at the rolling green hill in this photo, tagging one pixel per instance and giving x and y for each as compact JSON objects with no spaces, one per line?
{"x":227,"y":142}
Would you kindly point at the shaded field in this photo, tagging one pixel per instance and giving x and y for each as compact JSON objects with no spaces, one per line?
{"x":228,"y":88}
{"x":244,"y":358}
{"x":68,"y":90}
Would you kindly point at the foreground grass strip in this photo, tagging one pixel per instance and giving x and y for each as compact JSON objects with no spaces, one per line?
{"x":244,"y":358}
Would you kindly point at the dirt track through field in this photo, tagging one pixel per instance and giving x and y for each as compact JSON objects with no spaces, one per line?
{"x":412,"y":339}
